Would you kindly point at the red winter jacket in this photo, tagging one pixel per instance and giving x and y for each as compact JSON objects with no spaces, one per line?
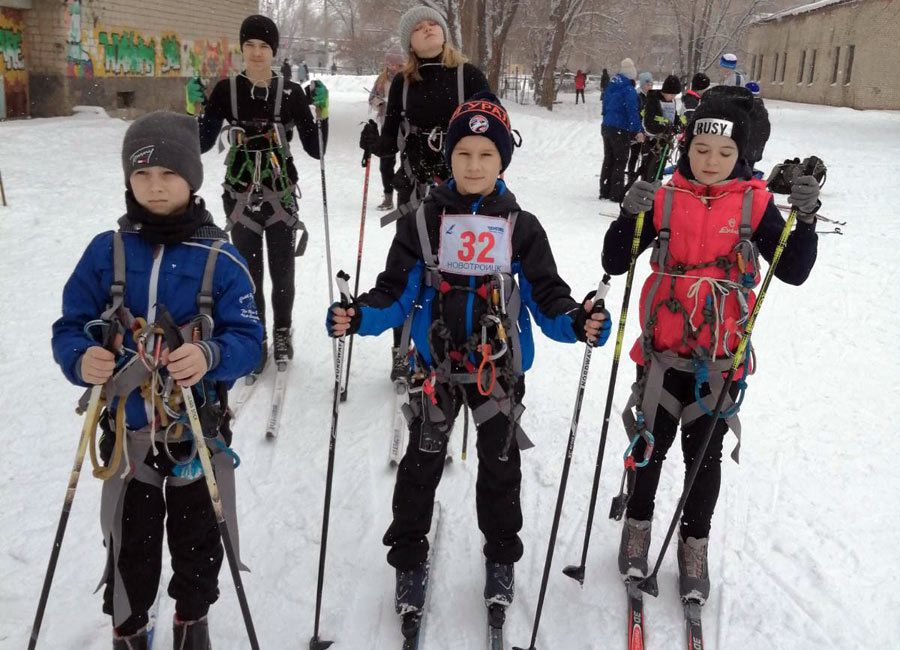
{"x":579,"y":81}
{"x":704,"y":226}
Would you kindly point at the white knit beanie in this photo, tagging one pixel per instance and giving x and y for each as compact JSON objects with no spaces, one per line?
{"x":628,"y":69}
{"x":413,"y":17}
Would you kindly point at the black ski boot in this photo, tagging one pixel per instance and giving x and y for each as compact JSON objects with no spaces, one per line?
{"x":191,"y":635}
{"x":399,"y":365}
{"x":387,"y":204}
{"x":133,"y":642}
{"x":409,"y":599}
{"x":499,"y":584}
{"x":265,"y":358}
{"x":283,"y":351}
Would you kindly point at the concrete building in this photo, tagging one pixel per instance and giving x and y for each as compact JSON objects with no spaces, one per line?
{"x":837,"y":52}
{"x":125,"y":55}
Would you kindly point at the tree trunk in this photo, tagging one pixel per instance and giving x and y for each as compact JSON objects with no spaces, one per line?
{"x":504,"y":15}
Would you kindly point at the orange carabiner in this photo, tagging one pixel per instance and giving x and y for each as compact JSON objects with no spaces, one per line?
{"x":485,"y":350}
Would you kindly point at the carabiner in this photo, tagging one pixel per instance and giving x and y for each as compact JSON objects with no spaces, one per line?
{"x":650,"y":441}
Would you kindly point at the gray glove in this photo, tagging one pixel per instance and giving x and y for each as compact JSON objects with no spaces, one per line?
{"x":640,"y":197}
{"x":805,"y":195}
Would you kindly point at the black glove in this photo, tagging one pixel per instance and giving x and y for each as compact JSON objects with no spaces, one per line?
{"x":581,"y":316}
{"x":355,"y":320}
{"x":369,"y":137}
{"x":805,"y":197}
{"x":639,"y":197}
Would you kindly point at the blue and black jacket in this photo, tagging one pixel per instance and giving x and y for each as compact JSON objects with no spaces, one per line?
{"x":169,"y":275}
{"x":620,"y":105}
{"x":400,"y":288}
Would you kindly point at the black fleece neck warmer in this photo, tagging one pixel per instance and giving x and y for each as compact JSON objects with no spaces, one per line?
{"x":165,"y":229}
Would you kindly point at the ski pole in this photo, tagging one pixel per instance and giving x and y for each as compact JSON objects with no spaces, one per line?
{"x":325,"y":217}
{"x":367,"y":163}
{"x":2,"y":191}
{"x":573,"y":571}
{"x":599,"y":297}
{"x":111,"y":342}
{"x":649,"y":584}
{"x":175,"y":340}
{"x":315,"y":643}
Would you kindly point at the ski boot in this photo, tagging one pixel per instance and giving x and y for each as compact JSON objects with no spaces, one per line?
{"x":137,"y":641}
{"x":265,"y":358}
{"x":399,"y":365}
{"x":409,"y":598}
{"x":693,"y":569}
{"x":387,"y":203}
{"x":191,"y":635}
{"x":283,"y":351}
{"x":634,"y":548}
{"x":499,"y":583}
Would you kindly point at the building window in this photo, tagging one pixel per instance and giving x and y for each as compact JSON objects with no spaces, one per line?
{"x":783,"y":66}
{"x":753,"y":66}
{"x":775,"y":69}
{"x":848,"y":64}
{"x":836,"y":68}
{"x":812,"y":69}
{"x":802,"y":67}
{"x":759,"y":67}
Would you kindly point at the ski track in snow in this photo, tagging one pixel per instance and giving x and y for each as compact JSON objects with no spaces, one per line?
{"x":801,"y":536}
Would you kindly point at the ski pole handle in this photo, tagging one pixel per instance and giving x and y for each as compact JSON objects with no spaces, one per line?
{"x":602,"y":291}
{"x":343,"y":283}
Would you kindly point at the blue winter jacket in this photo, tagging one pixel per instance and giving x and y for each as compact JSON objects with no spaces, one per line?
{"x":620,"y":105}
{"x":400,"y":288}
{"x":236,"y":341}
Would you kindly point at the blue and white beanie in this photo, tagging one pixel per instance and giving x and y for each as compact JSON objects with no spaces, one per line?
{"x":728,"y":60}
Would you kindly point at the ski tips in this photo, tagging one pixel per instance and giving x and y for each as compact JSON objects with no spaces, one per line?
{"x":316,"y":644}
{"x":575,"y":572}
{"x":649,"y":586}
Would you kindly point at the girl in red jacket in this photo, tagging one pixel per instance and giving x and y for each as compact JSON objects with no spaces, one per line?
{"x":708,"y":225}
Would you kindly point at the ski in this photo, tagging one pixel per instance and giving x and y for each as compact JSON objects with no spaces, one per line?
{"x":635,"y":615}
{"x":275,"y":407}
{"x":413,"y":625}
{"x":398,"y":425}
{"x":692,"y":627}
{"x":248,"y":386}
{"x":819,"y":217}
{"x":496,"y":616}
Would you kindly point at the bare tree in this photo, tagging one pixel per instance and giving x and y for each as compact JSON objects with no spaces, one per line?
{"x":549,"y":40}
{"x":450,"y":10}
{"x":499,"y":19}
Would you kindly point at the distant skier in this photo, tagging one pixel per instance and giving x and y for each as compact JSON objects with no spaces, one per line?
{"x":693,"y":310}
{"x":661,"y":124}
{"x":632,"y":170}
{"x":433,"y":277}
{"x":286,"y":70}
{"x":378,"y":98}
{"x":621,"y":124}
{"x":604,"y":80}
{"x":728,"y":65}
{"x":159,"y":253}
{"x":421,"y":100}
{"x":691,"y":99}
{"x":580,"y":78}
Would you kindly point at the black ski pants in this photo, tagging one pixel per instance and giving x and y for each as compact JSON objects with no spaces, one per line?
{"x":496,"y":491}
{"x":386,"y":167}
{"x":699,"y":507}
{"x":616,"y":147}
{"x":579,"y":92}
{"x":634,"y":161}
{"x":194,"y":545}
{"x":280,"y":245}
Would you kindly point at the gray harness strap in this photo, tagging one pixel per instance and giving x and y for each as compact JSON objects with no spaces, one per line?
{"x":112,"y":501}
{"x":420,"y":190}
{"x":117,"y":289}
{"x":654,"y":394}
{"x":501,"y":401}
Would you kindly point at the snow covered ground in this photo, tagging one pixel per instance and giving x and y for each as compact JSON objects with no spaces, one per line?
{"x":803,"y":542}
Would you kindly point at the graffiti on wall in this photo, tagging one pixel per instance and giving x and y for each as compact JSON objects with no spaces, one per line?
{"x":102,"y":51}
{"x":14,"y":89}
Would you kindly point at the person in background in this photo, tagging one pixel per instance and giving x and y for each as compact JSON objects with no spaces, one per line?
{"x":286,"y":70}
{"x":731,"y":76}
{"x":644,"y":85}
{"x":691,"y":99}
{"x":580,"y":78}
{"x":621,"y":123}
{"x":393,"y":61}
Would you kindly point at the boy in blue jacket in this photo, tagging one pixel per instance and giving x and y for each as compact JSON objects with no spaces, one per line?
{"x":167,"y":253}
{"x":451,"y":276}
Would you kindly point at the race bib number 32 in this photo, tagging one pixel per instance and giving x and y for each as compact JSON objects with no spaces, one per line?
{"x":473,"y":244}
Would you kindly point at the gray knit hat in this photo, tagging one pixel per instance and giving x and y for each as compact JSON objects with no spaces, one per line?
{"x":413,"y":17}
{"x":164,"y":139}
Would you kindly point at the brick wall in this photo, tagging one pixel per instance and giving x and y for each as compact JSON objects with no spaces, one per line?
{"x":128,"y":53}
{"x":868,"y":28}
